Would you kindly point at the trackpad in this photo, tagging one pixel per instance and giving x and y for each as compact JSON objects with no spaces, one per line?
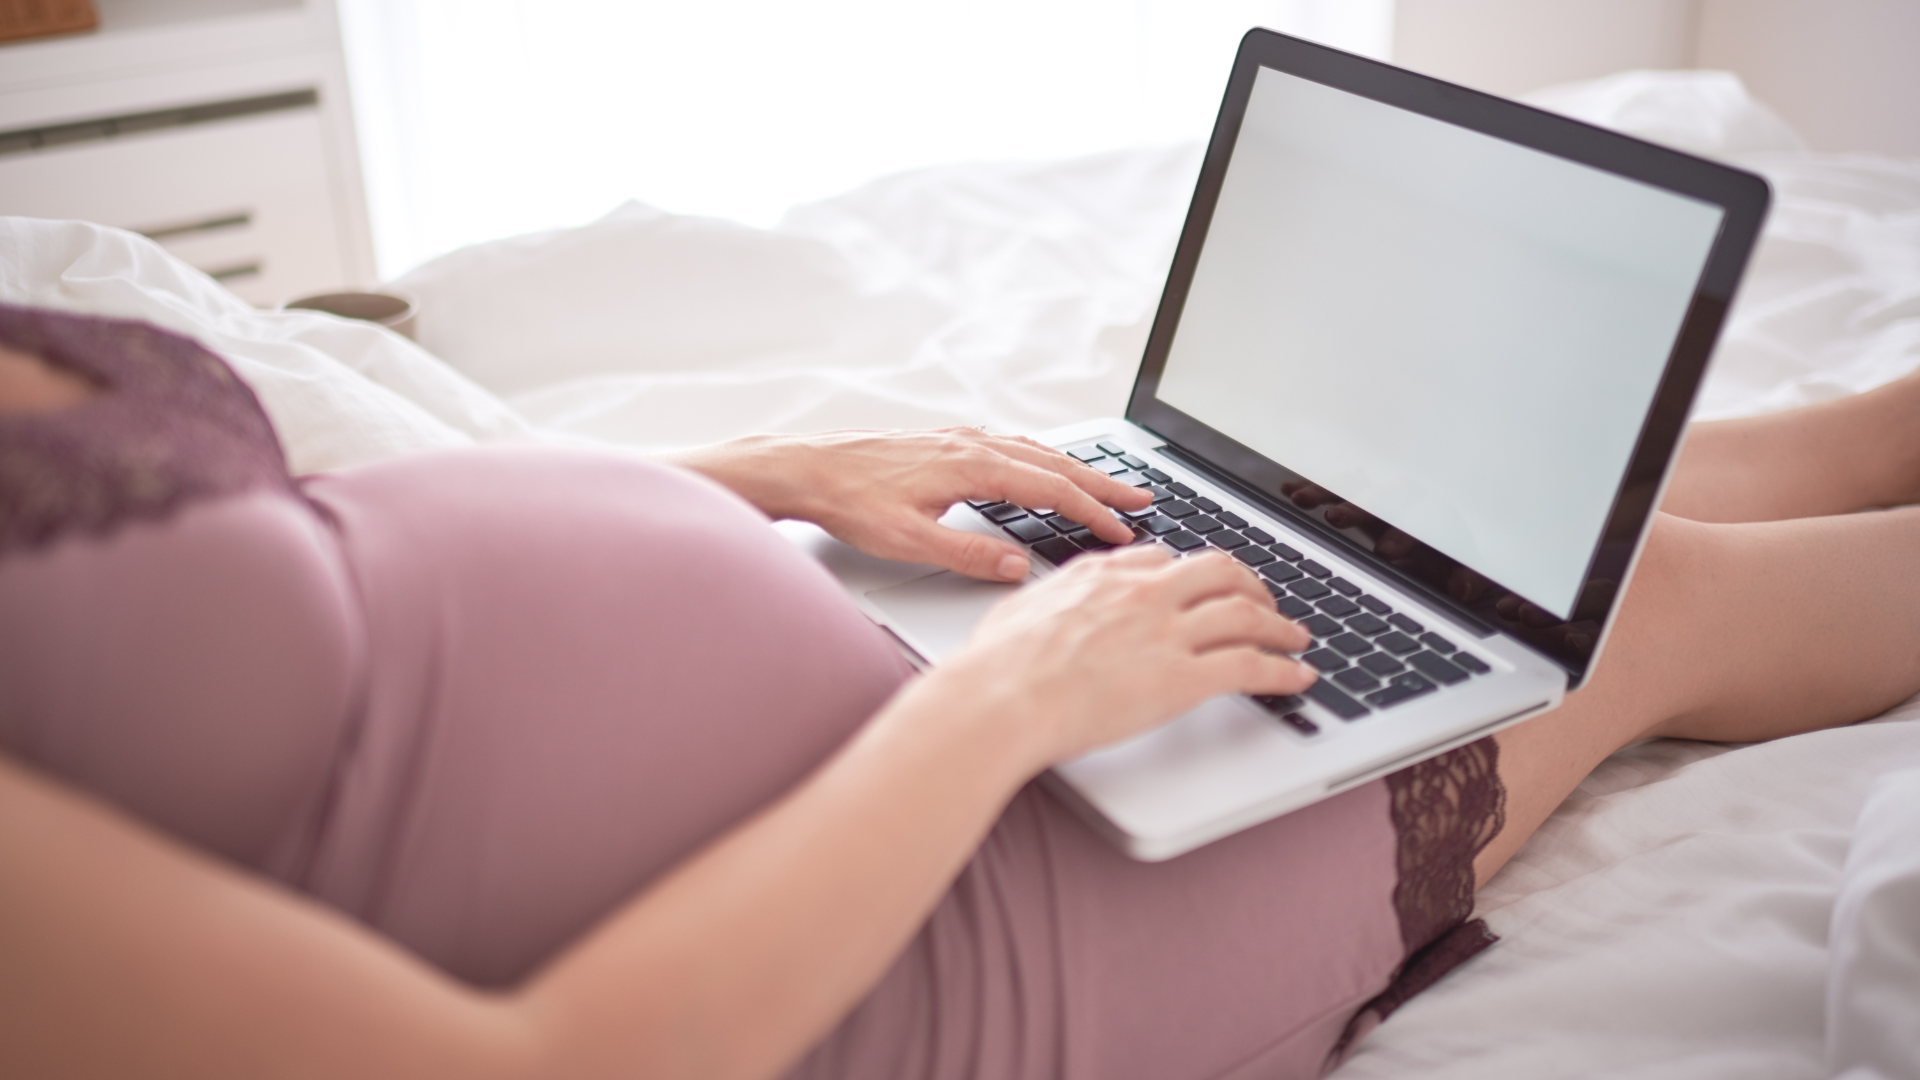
{"x":936,"y":614}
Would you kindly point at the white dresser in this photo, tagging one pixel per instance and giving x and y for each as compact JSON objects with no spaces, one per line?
{"x":221,"y":128}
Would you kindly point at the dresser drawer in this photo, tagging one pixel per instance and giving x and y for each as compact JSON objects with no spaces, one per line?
{"x":247,"y":199}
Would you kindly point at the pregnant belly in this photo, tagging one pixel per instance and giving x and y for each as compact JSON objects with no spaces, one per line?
{"x":581,"y":669}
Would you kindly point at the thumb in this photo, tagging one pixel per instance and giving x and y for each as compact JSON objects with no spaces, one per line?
{"x":967,"y":553}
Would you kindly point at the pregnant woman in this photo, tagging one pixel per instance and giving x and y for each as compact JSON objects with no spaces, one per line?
{"x":527,"y":762}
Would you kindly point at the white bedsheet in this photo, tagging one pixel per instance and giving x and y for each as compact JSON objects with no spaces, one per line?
{"x":1673,"y":919}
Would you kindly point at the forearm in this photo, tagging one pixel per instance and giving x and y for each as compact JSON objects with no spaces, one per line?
{"x":730,"y":967}
{"x":758,"y":468}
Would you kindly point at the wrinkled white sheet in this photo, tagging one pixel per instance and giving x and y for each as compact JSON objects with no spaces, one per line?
{"x":1671,"y":920}
{"x":1873,"y":1029}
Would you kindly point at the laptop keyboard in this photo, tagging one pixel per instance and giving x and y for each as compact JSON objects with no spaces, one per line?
{"x":1369,"y":656}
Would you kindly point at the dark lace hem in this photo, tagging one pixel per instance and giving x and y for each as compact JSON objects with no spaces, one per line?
{"x":1445,"y":810}
{"x":170,"y":424}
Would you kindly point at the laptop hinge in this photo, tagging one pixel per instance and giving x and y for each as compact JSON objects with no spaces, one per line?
{"x":1441,"y":602}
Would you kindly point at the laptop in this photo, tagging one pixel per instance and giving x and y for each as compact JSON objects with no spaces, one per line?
{"x":1423,"y":362}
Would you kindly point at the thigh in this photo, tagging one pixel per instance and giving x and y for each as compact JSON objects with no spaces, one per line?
{"x":1054,"y":955}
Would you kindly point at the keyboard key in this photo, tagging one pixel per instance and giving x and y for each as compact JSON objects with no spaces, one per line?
{"x":1343,"y":586}
{"x":1287,"y":710}
{"x":1233,"y":520}
{"x":1369,"y":625}
{"x":1259,"y":536}
{"x":1111,"y":466}
{"x":1203,"y":525}
{"x":1160,"y":525}
{"x":1325,"y":661}
{"x":1338,"y":606}
{"x":1178,"y":509}
{"x":1139,"y":515}
{"x":1109,"y":448}
{"x":1183,"y":541}
{"x":1003,"y":513}
{"x":1206,"y":504}
{"x":1316,"y":569}
{"x":1437,"y":668}
{"x":1435,"y":642}
{"x":1376,"y":605}
{"x":1381,"y":664}
{"x":1320,"y":626}
{"x":1159,"y":494}
{"x":1132,"y":462}
{"x":1349,"y":644}
{"x":1281,"y":573}
{"x":1157,"y":476}
{"x":982,"y":504}
{"x":1471,"y":662}
{"x":1134,"y":480}
{"x":1287,"y":553}
{"x":1229,"y":541}
{"x":1309,"y":589}
{"x":1291,"y":606}
{"x":1253,"y":556}
{"x":1397,"y":643}
{"x":1397,"y":693}
{"x":1064,"y":525}
{"x":1089,"y":542}
{"x":1406,"y":624}
{"x":1277,"y":592}
{"x":1088,"y":453}
{"x":1029,"y":530}
{"x":1056,"y":550}
{"x":1181,"y":489}
{"x":1335,"y":700}
{"x":1299,"y":723}
{"x":1356,"y":680}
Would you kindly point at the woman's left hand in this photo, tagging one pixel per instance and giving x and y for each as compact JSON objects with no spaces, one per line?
{"x":884,"y":491}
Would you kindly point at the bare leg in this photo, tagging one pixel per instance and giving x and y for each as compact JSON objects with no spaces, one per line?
{"x":1834,"y":457}
{"x":1731,"y":633}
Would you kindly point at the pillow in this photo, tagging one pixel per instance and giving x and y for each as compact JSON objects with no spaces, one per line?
{"x":339,"y":392}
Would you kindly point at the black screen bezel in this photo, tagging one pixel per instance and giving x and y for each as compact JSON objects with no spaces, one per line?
{"x":1742,"y":196}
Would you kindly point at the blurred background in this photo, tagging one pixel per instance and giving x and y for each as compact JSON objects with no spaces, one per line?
{"x":340,"y":142}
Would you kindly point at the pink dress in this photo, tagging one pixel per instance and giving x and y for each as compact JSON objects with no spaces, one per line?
{"x":476,"y":699}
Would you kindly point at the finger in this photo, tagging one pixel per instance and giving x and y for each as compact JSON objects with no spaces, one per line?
{"x":1237,"y":620}
{"x":1089,"y":479}
{"x":1031,"y":485}
{"x":1251,"y":671}
{"x":976,"y":556}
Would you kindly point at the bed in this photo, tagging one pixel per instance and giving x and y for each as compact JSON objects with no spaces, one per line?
{"x":1692,"y":910}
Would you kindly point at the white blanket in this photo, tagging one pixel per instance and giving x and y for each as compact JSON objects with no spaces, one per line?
{"x":1676,"y":918}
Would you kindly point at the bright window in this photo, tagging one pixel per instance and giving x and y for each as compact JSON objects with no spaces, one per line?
{"x":483,"y":118}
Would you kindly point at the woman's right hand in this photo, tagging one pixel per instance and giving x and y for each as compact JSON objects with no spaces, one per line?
{"x":1115,"y":644}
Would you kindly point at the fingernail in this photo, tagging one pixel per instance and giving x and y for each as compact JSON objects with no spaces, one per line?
{"x":1013,"y":567}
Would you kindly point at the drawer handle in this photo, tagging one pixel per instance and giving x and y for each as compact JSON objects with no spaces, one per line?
{"x":26,"y":140}
{"x":236,"y":271}
{"x":164,"y":233}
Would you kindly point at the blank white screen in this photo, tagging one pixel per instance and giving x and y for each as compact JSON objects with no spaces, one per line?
{"x":1457,"y":334}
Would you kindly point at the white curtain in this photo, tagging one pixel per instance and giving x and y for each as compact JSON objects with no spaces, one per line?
{"x":484,"y":118}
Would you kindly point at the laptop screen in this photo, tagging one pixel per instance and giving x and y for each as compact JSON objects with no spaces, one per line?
{"x":1457,"y":334}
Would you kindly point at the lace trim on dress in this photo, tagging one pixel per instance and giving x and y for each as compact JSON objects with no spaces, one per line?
{"x":170,"y":424}
{"x":1444,"y":810}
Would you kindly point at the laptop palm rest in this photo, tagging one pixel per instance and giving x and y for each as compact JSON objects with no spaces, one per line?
{"x":935,"y":615}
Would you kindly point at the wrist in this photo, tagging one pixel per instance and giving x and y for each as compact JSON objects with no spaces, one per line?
{"x":758,"y":468}
{"x":975,"y":722}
